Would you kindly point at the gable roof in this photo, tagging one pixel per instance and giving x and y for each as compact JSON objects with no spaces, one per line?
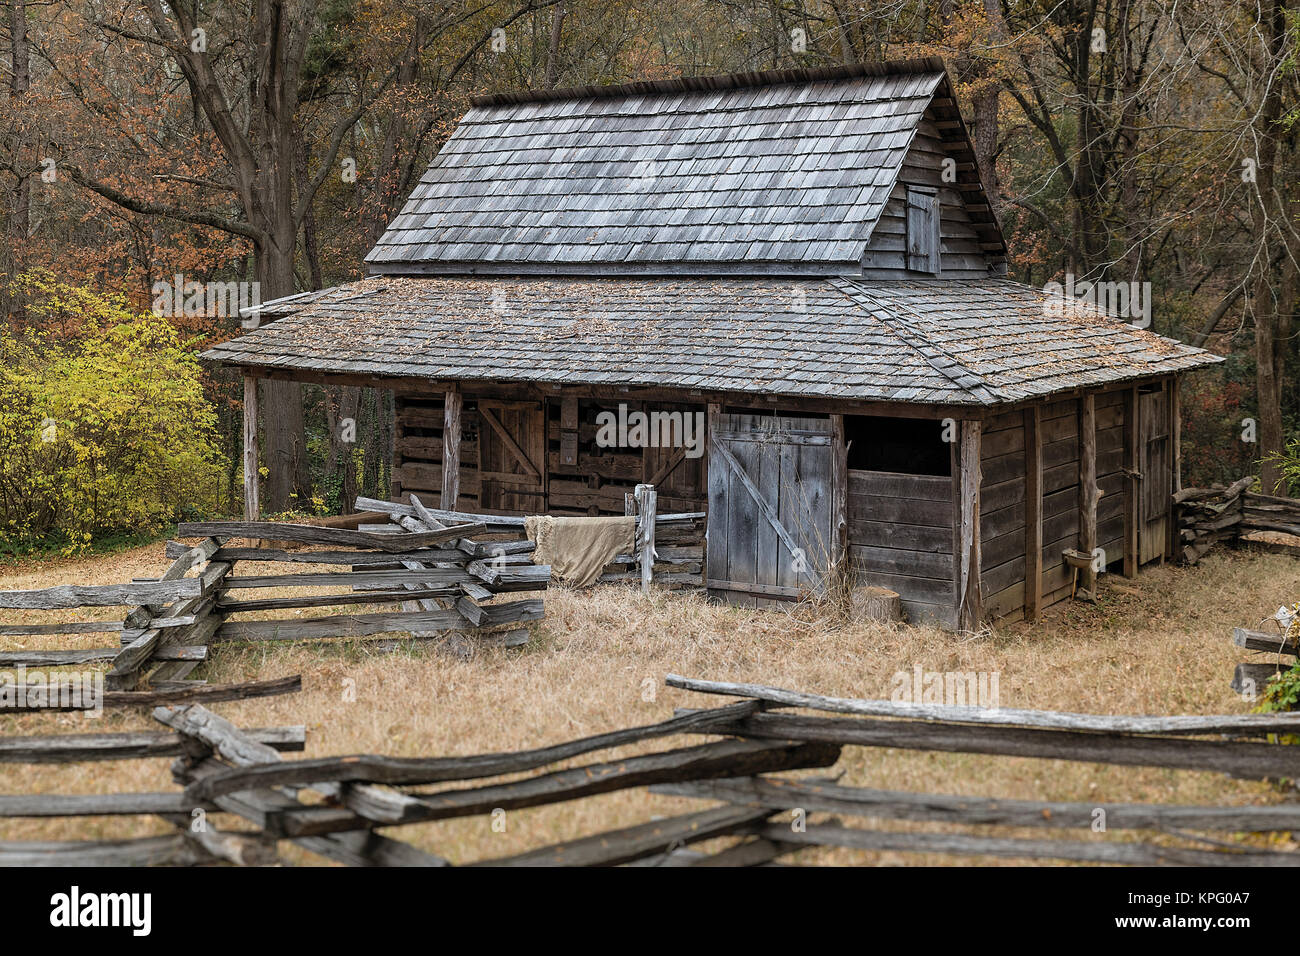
{"x":756,"y":173}
{"x":938,"y":341}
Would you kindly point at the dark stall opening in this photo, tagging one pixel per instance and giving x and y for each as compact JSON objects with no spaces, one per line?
{"x":908,"y":446}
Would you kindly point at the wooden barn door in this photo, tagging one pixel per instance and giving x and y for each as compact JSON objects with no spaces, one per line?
{"x":1157,"y":475}
{"x":512,"y":457}
{"x":770,"y":503}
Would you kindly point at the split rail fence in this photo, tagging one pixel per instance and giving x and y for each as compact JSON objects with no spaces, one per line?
{"x":1210,"y":516}
{"x":669,"y":547}
{"x":1251,"y":678}
{"x":439,"y":576}
{"x":764,"y":813}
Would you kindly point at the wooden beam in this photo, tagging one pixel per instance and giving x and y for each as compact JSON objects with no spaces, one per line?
{"x":646,"y":502}
{"x":777,"y":793}
{"x":961,"y":844}
{"x":1132,"y":500}
{"x":1176,"y":430}
{"x":1255,"y":761}
{"x":1033,"y":514}
{"x":1088,"y":489}
{"x":131,"y":745}
{"x":103,"y":595}
{"x":839,"y":502}
{"x":453,"y":403}
{"x":970,"y":609}
{"x":252,"y":507}
{"x":1176,"y":465}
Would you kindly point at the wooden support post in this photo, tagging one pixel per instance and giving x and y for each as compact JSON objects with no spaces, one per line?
{"x":1173,"y":545}
{"x":839,"y":503}
{"x":646,"y":499}
{"x":252,"y":507}
{"x":1132,"y":487}
{"x":1088,"y":490}
{"x":970,"y":608}
{"x":451,"y":409}
{"x":1033,"y":514}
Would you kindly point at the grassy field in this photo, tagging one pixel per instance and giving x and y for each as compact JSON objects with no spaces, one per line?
{"x":1156,"y":645}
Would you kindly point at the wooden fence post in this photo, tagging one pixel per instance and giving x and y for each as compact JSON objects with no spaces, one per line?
{"x":646,"y":498}
{"x":452,"y":404}
{"x":838,"y":564}
{"x":252,"y":508}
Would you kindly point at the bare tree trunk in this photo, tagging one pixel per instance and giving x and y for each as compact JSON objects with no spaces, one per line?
{"x":287,"y":466}
{"x":1267,"y":301}
{"x":553,"y":49}
{"x":19,"y":83}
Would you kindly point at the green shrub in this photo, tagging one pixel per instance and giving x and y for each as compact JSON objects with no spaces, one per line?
{"x":102,"y":430}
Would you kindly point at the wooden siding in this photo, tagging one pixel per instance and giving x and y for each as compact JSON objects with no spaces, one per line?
{"x":961,"y":255}
{"x":1110,"y":474}
{"x":901,"y":538}
{"x":1002,"y":514}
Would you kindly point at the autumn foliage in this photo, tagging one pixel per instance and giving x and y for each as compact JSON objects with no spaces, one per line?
{"x":103,"y":426}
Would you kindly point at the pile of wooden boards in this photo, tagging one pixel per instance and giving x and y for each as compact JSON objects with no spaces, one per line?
{"x":1210,"y":516}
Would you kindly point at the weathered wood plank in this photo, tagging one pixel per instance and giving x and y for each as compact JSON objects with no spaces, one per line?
{"x":246,"y":690}
{"x":959,"y":844}
{"x":1256,"y":761}
{"x":310,"y":534}
{"x":62,"y":658}
{"x":453,"y":402}
{"x":102,"y":595}
{"x":1263,"y":641}
{"x":616,"y":847}
{"x":170,"y":850}
{"x":97,"y":804}
{"x":75,"y":748}
{"x":352,"y":558}
{"x":776,"y":793}
{"x":365,"y":625}
{"x":1238,"y":724}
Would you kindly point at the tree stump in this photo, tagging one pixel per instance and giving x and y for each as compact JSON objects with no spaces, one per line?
{"x":871,"y":603}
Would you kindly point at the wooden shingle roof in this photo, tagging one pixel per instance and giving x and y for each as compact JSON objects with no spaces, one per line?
{"x":768,"y":173}
{"x":933,"y":341}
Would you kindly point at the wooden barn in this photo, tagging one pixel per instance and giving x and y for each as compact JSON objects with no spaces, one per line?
{"x":778,"y":297}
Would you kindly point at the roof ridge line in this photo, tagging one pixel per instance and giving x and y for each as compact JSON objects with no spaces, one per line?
{"x":708,"y":83}
{"x":937,"y":358}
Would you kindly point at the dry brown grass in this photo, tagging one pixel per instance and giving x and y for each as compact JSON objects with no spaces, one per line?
{"x":1158,"y":645}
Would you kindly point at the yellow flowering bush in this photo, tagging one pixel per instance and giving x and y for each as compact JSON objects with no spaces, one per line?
{"x":104,"y":429}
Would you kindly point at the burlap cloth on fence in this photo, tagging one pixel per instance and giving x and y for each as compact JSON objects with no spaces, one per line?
{"x":578,"y":548}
